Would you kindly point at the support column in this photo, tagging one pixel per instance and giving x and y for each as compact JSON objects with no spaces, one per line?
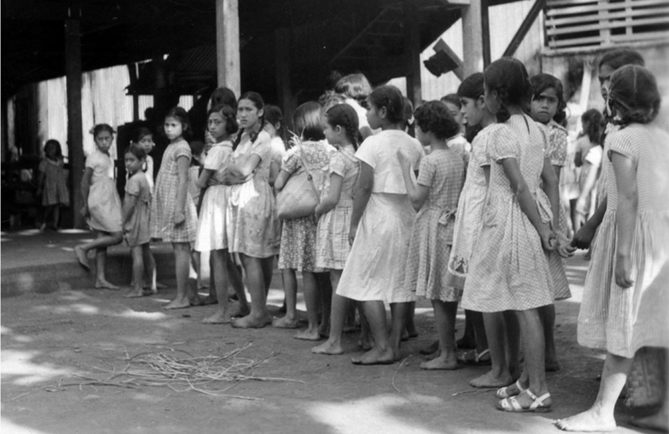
{"x":472,"y":38}
{"x":412,"y":52}
{"x":74,"y":128}
{"x":282,"y":58}
{"x":227,"y":45}
{"x":485,"y":33}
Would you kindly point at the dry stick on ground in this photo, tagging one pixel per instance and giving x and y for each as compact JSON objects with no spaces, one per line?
{"x":397,"y":372}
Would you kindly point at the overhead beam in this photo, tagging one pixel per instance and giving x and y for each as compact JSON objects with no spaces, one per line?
{"x":525,"y":27}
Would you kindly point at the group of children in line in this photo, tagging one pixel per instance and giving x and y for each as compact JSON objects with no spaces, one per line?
{"x":479,"y":224}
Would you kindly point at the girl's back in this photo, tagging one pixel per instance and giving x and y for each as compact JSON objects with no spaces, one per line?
{"x":443,"y":172}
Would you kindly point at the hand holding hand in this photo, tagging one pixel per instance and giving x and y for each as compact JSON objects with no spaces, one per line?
{"x":583,"y":237}
{"x":179,"y":218}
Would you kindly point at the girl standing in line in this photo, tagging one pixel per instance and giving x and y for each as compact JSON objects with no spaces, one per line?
{"x":509,"y":270}
{"x":334,"y":215}
{"x":435,"y":197}
{"x":136,"y":217}
{"x":298,"y":236}
{"x":625,"y":293}
{"x":52,"y":183}
{"x":381,"y":226}
{"x":211,"y":231}
{"x":102,"y":205}
{"x":251,"y":207}
{"x":547,"y":108}
{"x":174,"y":218}
{"x":144,"y":138}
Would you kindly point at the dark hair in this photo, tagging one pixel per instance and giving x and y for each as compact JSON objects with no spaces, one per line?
{"x":345,"y":116}
{"x":390,"y":98}
{"x":453,"y":99}
{"x":354,"y":86}
{"x":540,"y":83}
{"x":307,"y":121}
{"x":229,"y":115}
{"x":433,"y":116}
{"x":54,"y":143}
{"x":594,"y":120}
{"x":329,"y":99}
{"x":633,"y":95}
{"x":137,"y":150}
{"x":620,"y":57}
{"x":223,"y":96}
{"x":181,"y":115}
{"x":100,"y":128}
{"x":508,"y":77}
{"x":140,"y":133}
{"x":273,"y":114}
{"x":259,"y":104}
{"x":472,"y":86}
{"x":196,"y":148}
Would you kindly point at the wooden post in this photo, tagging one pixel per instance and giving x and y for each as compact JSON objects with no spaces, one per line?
{"x":132,"y":73}
{"x":412,"y":51}
{"x":74,"y":128}
{"x":227,"y":45}
{"x":472,"y":38}
{"x":282,"y":58}
{"x":485,"y":33}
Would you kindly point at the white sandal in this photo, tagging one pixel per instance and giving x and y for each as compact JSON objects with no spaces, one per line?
{"x":538,"y":404}
{"x":509,"y":391}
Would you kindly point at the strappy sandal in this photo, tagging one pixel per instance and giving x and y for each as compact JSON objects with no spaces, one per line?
{"x":509,"y":391}
{"x":538,"y":404}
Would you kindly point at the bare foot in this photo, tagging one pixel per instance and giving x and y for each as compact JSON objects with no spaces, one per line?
{"x":81,"y":258}
{"x":178,"y":303}
{"x":218,"y":318}
{"x":237,"y":310}
{"x":430,"y":349}
{"x":328,"y":347}
{"x":252,"y":321}
{"x":489,"y":380}
{"x":441,"y":363}
{"x":588,"y":421}
{"x":285,"y":322}
{"x":103,"y":284}
{"x":375,"y":356}
{"x":134,"y":292}
{"x":308,"y":335}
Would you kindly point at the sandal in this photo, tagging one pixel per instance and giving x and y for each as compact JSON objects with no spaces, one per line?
{"x":471,"y":357}
{"x":538,"y":404}
{"x":509,"y":391}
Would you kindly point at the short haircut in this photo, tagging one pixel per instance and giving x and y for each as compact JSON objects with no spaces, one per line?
{"x":433,"y":117}
{"x":390,"y":98}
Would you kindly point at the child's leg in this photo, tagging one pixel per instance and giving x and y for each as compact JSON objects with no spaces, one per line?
{"x":599,"y":417}
{"x":241,"y":306}
{"x":212,"y":297}
{"x":398,"y":312}
{"x":410,"y":326}
{"x":479,"y":330}
{"x":365,"y":341}
{"x":137,"y":272}
{"x":312,"y":301}
{"x":267,"y":270}
{"x":218,"y":268}
{"x":56,"y":216}
{"x":102,"y":240}
{"x":498,"y":376}
{"x":324,"y":291}
{"x":381,"y":352}
{"x":547,"y":315}
{"x":512,"y":345}
{"x":444,"y":316}
{"x":150,"y":268}
{"x":467,"y":340}
{"x":338,"y":309}
{"x":258,"y":317}
{"x":289,"y":320}
{"x":532,"y":334}
{"x":182,"y":256}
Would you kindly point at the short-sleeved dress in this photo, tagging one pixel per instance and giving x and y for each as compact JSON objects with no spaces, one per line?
{"x":443,"y":172}
{"x":211,"y":224}
{"x":625,"y":320}
{"x":332,"y":246}
{"x":55,"y":190}
{"x":164,"y":203}
{"x":104,"y":204}
{"x":251,"y":212}
{"x":137,"y":229}
{"x":509,"y":269}
{"x":374,"y":270}
{"x":470,"y":207}
{"x":298,"y":236}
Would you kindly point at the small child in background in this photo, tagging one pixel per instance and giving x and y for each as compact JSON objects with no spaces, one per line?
{"x":173,"y":214}
{"x":199,"y":269}
{"x":102,"y":206}
{"x":435,"y":197}
{"x":136,"y":217}
{"x":589,"y":154}
{"x":274,"y":126}
{"x":547,"y":107}
{"x":52,"y":184}
{"x":144,"y":138}
{"x":334,"y":215}
{"x":298,"y":236}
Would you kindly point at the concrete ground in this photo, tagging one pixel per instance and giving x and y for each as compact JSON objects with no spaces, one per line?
{"x":65,"y":346}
